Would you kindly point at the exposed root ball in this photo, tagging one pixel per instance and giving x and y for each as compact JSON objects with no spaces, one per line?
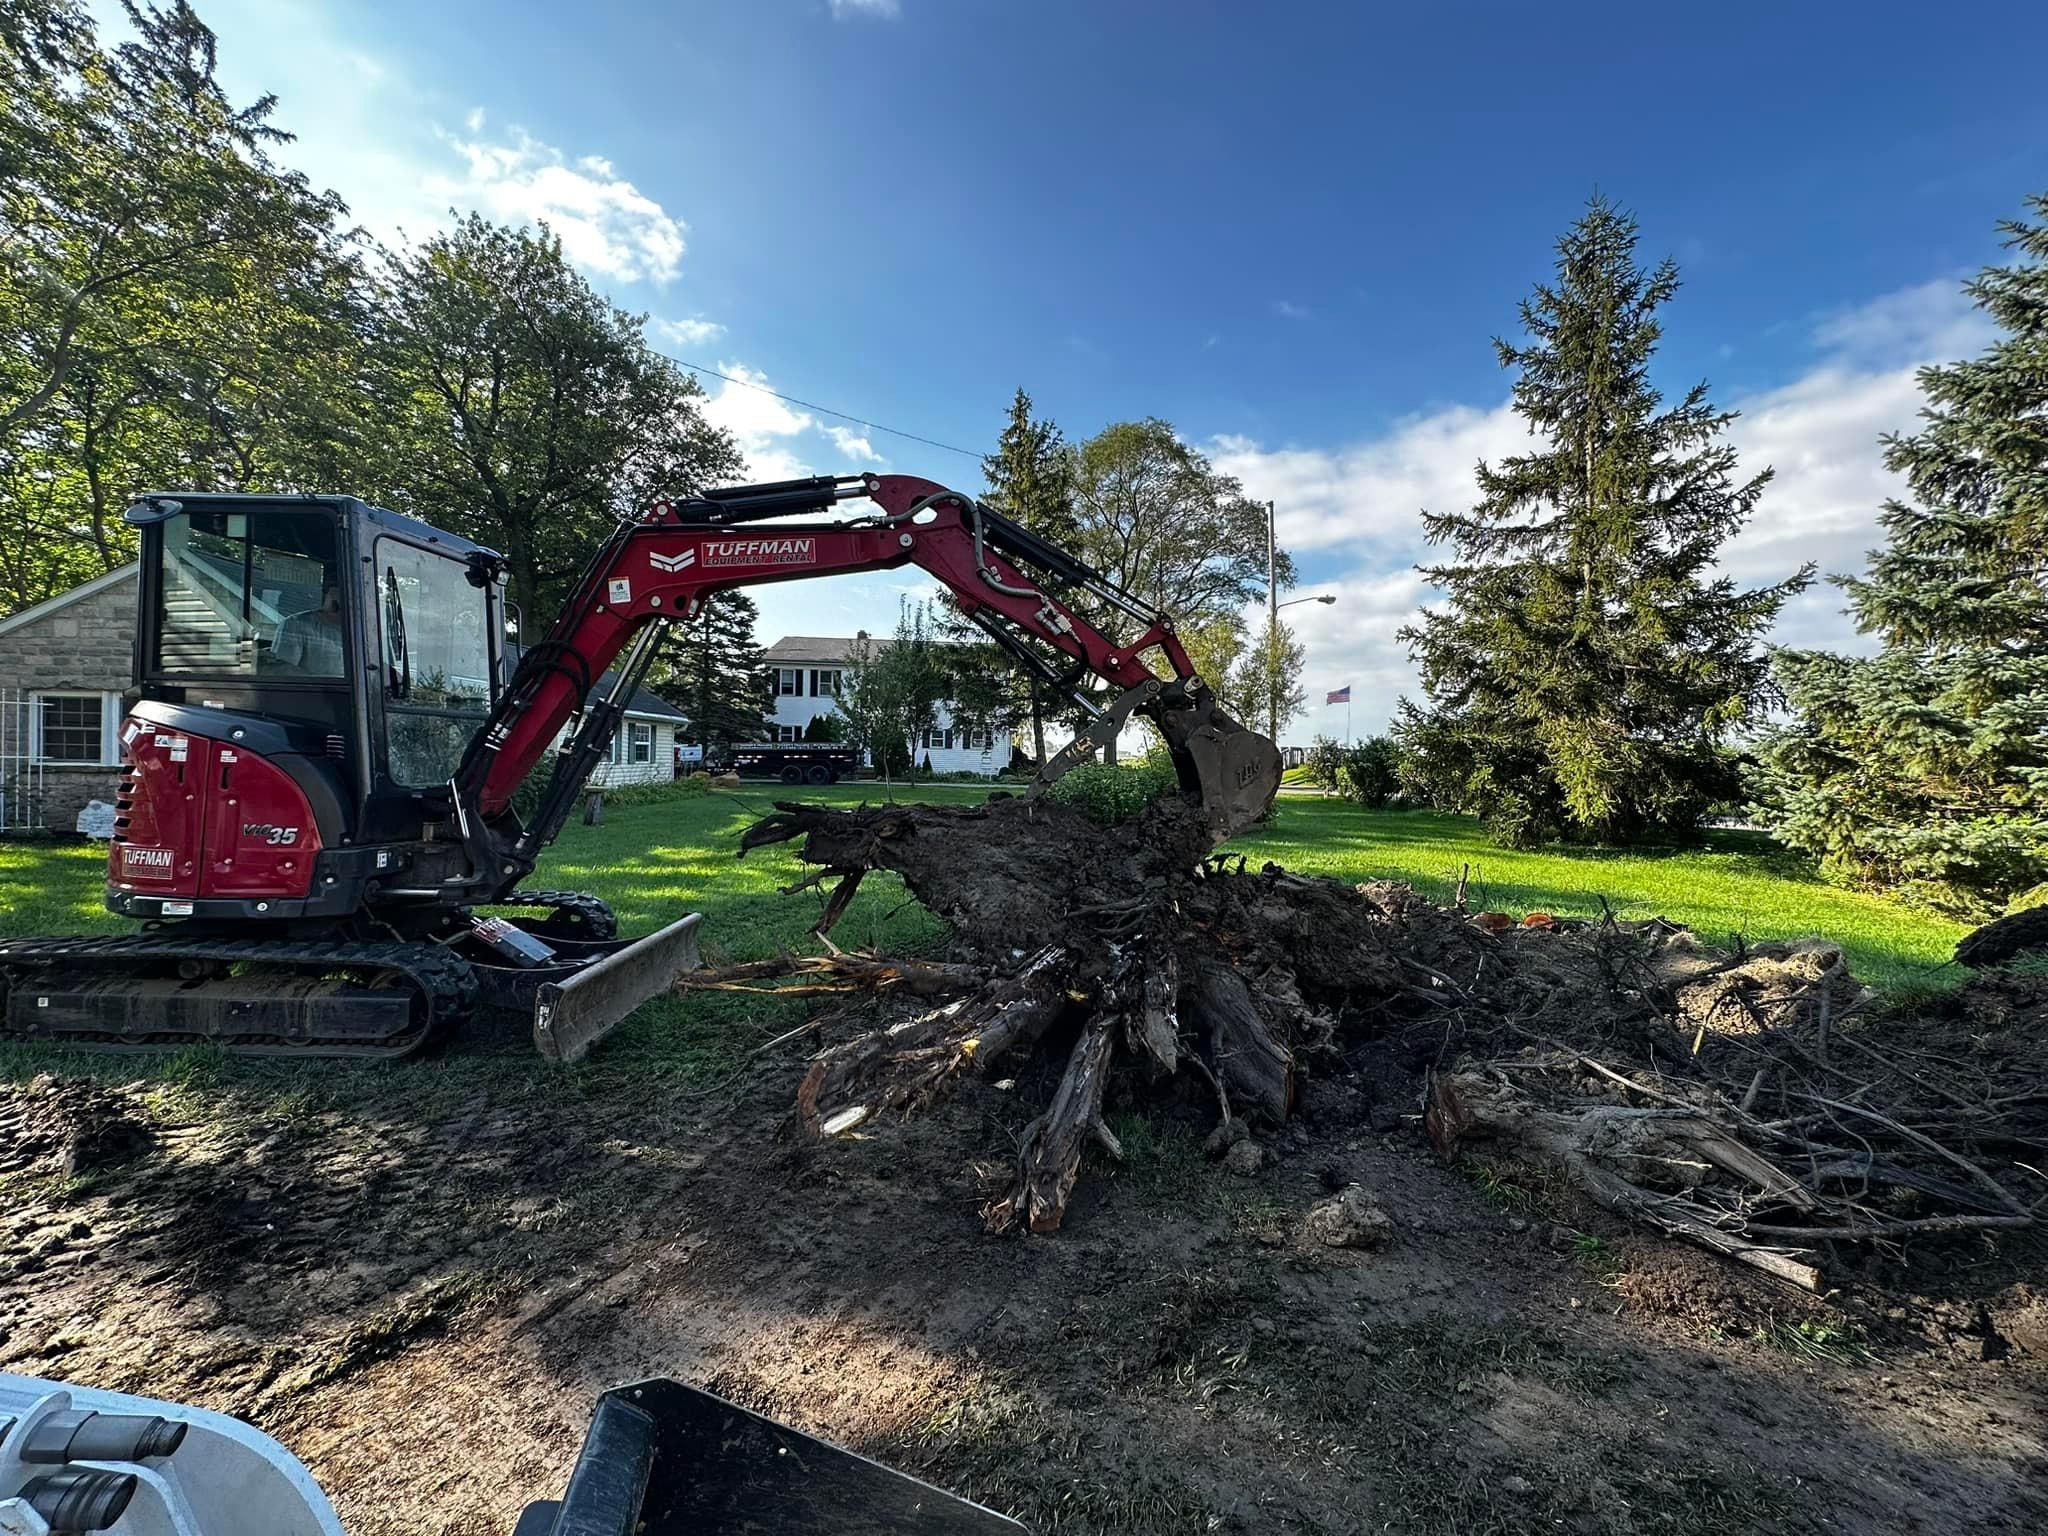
{"x":1748,"y":1103}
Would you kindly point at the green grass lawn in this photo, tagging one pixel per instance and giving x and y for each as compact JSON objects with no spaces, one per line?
{"x":1739,"y":883}
{"x":655,"y":862}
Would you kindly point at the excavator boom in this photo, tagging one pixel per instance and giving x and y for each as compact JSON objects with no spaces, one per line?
{"x":1030,"y":596}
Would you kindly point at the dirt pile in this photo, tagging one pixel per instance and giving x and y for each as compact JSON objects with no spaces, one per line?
{"x":1760,"y":1103}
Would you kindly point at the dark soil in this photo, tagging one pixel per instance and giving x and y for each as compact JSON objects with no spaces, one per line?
{"x":419,"y":1278}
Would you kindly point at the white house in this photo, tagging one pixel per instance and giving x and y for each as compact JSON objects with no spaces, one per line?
{"x":806,"y":672}
{"x":644,"y":750}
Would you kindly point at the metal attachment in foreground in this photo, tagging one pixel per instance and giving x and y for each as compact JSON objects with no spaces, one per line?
{"x":571,"y":1016}
{"x":663,"y":1459}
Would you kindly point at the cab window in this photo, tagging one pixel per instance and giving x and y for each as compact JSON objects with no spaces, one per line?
{"x":250,"y":592}
{"x":433,"y":625}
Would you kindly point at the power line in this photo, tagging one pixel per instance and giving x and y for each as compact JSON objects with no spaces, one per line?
{"x":826,"y":410}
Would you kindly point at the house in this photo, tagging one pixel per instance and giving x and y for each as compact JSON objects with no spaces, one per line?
{"x":806,"y":672}
{"x":65,"y":663}
{"x":644,"y":750}
{"x":63,"y":666}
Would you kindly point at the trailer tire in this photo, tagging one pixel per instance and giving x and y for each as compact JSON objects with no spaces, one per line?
{"x":820,"y":773}
{"x":791,"y":774}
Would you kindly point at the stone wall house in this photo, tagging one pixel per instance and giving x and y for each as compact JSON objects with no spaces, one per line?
{"x":63,"y":666}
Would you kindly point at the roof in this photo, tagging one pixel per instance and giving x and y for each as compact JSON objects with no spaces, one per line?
{"x":50,"y":605}
{"x":642,"y":703}
{"x":833,"y":650}
{"x":798,"y":648}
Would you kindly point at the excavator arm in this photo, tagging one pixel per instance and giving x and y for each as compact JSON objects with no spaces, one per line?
{"x":1003,"y":577}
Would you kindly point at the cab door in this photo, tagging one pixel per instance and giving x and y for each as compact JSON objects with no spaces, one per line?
{"x":433,"y":627}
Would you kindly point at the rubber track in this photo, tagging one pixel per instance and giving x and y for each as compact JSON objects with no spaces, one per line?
{"x":445,"y":980}
{"x":598,"y":922}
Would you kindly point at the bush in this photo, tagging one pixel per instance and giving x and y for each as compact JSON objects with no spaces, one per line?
{"x":1110,"y":793}
{"x":1325,"y":765}
{"x":826,"y":728}
{"x":656,"y":794}
{"x":1370,"y":772}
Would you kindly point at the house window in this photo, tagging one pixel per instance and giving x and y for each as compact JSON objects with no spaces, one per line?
{"x":977,"y":740}
{"x":72,"y":728}
{"x":789,"y":733}
{"x":789,"y":682}
{"x":643,"y":742}
{"x":937,"y":740}
{"x":825,"y":682}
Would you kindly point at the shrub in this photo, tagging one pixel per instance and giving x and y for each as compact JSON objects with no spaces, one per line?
{"x":657,"y":794}
{"x":1325,"y":765}
{"x":1370,"y":771}
{"x":1111,"y":793}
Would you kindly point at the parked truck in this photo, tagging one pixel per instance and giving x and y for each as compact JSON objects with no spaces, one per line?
{"x":797,"y":762}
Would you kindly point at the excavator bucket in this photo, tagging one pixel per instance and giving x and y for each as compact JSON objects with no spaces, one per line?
{"x":1234,"y":770}
{"x":663,"y":1459}
{"x":572,"y":1014}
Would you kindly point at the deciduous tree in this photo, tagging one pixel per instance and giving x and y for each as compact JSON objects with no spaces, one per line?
{"x":529,"y":410}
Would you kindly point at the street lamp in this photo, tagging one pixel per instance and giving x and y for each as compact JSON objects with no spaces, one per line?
{"x":1320,"y":597}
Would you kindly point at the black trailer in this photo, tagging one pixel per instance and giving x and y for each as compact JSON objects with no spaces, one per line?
{"x":796,"y":762}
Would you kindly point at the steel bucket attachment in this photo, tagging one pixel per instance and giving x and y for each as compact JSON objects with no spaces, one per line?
{"x":573,"y":1014}
{"x":663,"y":1459}
{"x":1235,"y":771}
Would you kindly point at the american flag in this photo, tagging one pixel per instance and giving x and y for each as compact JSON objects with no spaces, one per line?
{"x":1339,"y":695}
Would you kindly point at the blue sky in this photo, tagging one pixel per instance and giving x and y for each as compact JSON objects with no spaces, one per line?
{"x":1290,"y":229}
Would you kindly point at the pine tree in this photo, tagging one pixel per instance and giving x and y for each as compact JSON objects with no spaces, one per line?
{"x":711,"y":668}
{"x":1924,"y":769}
{"x":1587,"y":665}
{"x":1029,"y":480}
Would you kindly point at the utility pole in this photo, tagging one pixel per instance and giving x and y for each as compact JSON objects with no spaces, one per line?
{"x":1272,"y":637}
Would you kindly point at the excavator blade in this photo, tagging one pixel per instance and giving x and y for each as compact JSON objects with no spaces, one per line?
{"x":1234,"y":770}
{"x":572,"y":1015}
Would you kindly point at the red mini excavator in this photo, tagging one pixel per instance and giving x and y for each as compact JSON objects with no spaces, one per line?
{"x":320,"y":759}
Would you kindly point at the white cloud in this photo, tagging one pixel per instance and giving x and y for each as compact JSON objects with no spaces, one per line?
{"x":765,"y":428}
{"x":1369,"y":493}
{"x":854,"y":447}
{"x":1351,"y":511}
{"x":884,"y":10}
{"x":1286,"y":309}
{"x":687,"y":333}
{"x":607,"y":225}
{"x":1929,"y":321}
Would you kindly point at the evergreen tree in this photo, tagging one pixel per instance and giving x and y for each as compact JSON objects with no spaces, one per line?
{"x":711,"y":668}
{"x":1924,"y":769}
{"x":1587,"y":664}
{"x":1030,"y":481}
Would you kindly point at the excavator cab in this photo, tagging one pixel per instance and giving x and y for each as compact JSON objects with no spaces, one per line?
{"x":373,"y":642}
